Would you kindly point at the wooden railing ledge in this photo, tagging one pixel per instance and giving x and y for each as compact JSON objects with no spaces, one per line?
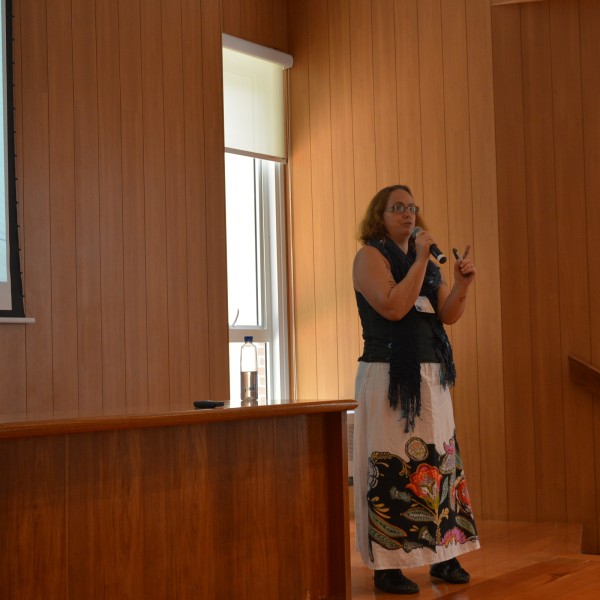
{"x":584,"y":374}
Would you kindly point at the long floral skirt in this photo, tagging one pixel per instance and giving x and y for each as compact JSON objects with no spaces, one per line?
{"x":411,"y":501}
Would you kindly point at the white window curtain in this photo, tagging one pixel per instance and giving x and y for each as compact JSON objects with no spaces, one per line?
{"x":254,"y":99}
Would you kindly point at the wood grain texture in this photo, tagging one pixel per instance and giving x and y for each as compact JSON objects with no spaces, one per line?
{"x":111,"y":209}
{"x":33,"y":540}
{"x":323,"y":210}
{"x":166,"y":511}
{"x":123,"y":260}
{"x":344,"y":201}
{"x":403,"y":101}
{"x":87,"y":207}
{"x":134,"y":242}
{"x":590,"y":47}
{"x":63,"y":232}
{"x":514,"y":275}
{"x":542,"y":224}
{"x":572,"y":266}
{"x":485,"y":303}
{"x":546,"y":132}
{"x":35,"y":196}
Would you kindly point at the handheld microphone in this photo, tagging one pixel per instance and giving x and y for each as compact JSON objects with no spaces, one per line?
{"x":433,"y":249}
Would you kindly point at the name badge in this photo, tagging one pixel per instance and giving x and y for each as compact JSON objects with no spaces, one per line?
{"x":423,"y":305}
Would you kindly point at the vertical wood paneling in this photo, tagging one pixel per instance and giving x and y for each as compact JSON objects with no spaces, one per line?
{"x":544,"y":309}
{"x":514,"y":274}
{"x":589,"y":23}
{"x":232,"y":18}
{"x":37,"y":469}
{"x":119,"y":121}
{"x":301,"y":208}
{"x":62,"y":210}
{"x":111,"y":208}
{"x":363,"y":119}
{"x":195,"y":172}
{"x":432,"y":120}
{"x":155,"y":203}
{"x":264,"y":22}
{"x":410,"y":117}
{"x":87,"y":207}
{"x":572,"y":265}
{"x":134,"y":242}
{"x":551,"y":183}
{"x":485,"y":303}
{"x":167,"y":514}
{"x":384,"y":94}
{"x":105,"y":495}
{"x":36,"y":206}
{"x":14,"y":361}
{"x":460,"y":232}
{"x":408,"y":109}
{"x":177,"y":233}
{"x":322,"y":194}
{"x":280,"y":25}
{"x":249,"y":19}
{"x":342,"y":175}
{"x":214,"y":185}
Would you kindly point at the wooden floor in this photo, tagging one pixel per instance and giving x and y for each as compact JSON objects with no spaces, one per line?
{"x":516,"y":560}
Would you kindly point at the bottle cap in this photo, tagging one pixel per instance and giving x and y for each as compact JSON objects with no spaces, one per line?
{"x":248,"y":338}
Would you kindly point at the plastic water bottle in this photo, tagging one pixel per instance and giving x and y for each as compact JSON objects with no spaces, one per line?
{"x":249,"y":370}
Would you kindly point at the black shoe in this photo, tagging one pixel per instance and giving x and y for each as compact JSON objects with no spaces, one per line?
{"x":392,"y":580}
{"x":450,"y":571}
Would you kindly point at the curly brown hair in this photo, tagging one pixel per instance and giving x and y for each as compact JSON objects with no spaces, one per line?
{"x":372,"y":226}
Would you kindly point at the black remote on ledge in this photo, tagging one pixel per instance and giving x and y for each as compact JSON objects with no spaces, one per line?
{"x":208,"y":403}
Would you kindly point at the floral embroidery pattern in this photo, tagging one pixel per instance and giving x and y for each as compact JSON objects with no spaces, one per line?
{"x":420,"y":503}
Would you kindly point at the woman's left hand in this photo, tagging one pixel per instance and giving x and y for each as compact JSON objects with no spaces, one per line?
{"x":464,"y":269}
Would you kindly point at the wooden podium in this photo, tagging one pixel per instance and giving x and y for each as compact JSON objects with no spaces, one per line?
{"x":227,"y":503}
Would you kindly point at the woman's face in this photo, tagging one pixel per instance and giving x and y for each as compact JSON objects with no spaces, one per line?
{"x":399,"y":225}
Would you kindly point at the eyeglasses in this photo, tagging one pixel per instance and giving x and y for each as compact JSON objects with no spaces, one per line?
{"x":400,"y":208}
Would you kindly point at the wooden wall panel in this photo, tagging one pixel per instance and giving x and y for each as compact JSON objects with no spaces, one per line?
{"x":197,"y":249}
{"x":34,"y":145}
{"x":342,"y":175}
{"x":433,"y":139}
{"x":514,"y":274}
{"x":304,"y":337}
{"x":111,"y":208}
{"x":155,"y":208}
{"x":460,"y":233}
{"x":363,"y":118}
{"x":105,"y":495}
{"x":119,"y":119}
{"x":488,"y":409}
{"x":323,"y":210}
{"x":260,"y":21}
{"x":398,"y":102}
{"x":38,"y":469}
{"x":214,"y":187}
{"x":589,"y":23}
{"x":572,"y":265}
{"x":384,"y":94}
{"x":550,"y":184}
{"x":134,"y":243}
{"x":541,"y":212}
{"x":408,"y":108}
{"x":87,"y":207}
{"x":176,"y":225}
{"x":65,"y":372}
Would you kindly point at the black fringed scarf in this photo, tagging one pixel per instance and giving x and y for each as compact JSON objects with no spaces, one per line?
{"x":405,"y":365}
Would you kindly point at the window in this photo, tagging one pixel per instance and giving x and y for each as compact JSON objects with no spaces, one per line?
{"x":256,"y":245}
